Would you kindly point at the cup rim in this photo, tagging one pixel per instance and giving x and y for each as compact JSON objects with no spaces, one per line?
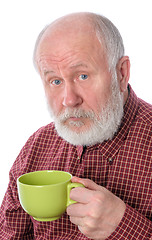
{"x":30,"y":173}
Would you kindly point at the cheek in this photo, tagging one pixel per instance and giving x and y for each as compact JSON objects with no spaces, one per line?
{"x":98,"y":100}
{"x":54,"y":102}
{"x":100,"y":92}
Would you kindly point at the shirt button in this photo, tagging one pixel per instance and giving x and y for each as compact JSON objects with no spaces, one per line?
{"x":110,"y":160}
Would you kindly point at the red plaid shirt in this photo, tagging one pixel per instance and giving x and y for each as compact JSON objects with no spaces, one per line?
{"x":122,"y":165}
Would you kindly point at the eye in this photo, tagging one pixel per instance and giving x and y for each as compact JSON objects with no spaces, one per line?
{"x":83,"y":77}
{"x":56,"y":82}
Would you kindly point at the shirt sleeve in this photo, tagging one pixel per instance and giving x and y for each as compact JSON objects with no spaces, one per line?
{"x":132,"y":226}
{"x":15,"y":224}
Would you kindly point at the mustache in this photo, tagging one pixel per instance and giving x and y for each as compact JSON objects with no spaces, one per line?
{"x":76,"y":113}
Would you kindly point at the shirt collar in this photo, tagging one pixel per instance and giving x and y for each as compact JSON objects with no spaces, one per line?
{"x":110,"y":147}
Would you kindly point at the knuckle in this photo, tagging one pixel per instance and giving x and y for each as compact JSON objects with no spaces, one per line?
{"x":90,"y":223}
{"x":87,"y":182}
{"x":99,"y":197}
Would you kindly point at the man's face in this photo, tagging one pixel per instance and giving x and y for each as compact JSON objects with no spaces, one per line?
{"x":76,"y":78}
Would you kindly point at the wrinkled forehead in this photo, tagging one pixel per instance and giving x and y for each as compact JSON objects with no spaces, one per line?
{"x":69,"y":52}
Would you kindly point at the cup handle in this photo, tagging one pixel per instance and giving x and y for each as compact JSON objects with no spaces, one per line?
{"x":69,"y":187}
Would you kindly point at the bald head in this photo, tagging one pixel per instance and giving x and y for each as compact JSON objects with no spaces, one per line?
{"x":77,"y":21}
{"x":90,"y":24}
{"x":70,"y":27}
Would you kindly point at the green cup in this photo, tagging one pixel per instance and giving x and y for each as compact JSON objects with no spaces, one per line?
{"x":45,"y":194}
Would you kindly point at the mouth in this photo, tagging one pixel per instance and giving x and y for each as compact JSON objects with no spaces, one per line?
{"x":76,"y":117}
{"x":75,"y":122}
{"x":78,"y":122}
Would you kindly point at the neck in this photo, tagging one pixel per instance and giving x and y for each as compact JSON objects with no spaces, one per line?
{"x":126,"y":94}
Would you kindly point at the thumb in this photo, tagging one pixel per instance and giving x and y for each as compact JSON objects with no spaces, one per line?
{"x":87,"y":183}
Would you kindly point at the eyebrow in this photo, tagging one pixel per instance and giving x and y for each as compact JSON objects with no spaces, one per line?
{"x":47,"y":72}
{"x":77,"y":65}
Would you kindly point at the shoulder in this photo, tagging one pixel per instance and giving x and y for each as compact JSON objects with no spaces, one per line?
{"x":141,"y":127}
{"x":48,"y":130}
{"x":145,"y":112}
{"x":44,"y":137}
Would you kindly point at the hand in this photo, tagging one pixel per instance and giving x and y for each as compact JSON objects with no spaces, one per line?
{"x":97,"y":211}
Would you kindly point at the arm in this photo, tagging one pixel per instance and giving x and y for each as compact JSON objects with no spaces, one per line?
{"x":14,"y":222}
{"x":101,"y":215}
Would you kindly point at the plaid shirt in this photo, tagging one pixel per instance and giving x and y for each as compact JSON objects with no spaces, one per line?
{"x":122,"y":165}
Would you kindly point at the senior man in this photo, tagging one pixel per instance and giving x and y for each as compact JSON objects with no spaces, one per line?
{"x":101,"y":134}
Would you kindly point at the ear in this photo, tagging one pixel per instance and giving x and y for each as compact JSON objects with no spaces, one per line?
{"x":123,"y":72}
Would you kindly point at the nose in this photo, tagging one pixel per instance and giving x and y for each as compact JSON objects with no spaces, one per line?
{"x":71,"y":96}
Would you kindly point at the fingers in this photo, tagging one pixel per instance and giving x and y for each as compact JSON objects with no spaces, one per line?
{"x":77,"y":221}
{"x":77,"y":210}
{"x":89,"y":203}
{"x":81,"y":195}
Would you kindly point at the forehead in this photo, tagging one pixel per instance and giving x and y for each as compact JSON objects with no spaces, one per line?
{"x":73,"y":62}
{"x":66,"y":44}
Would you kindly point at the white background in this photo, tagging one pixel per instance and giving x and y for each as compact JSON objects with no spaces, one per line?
{"x":22,"y":101}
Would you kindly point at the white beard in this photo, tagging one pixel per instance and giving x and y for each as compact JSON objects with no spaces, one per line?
{"x":99,"y":130}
